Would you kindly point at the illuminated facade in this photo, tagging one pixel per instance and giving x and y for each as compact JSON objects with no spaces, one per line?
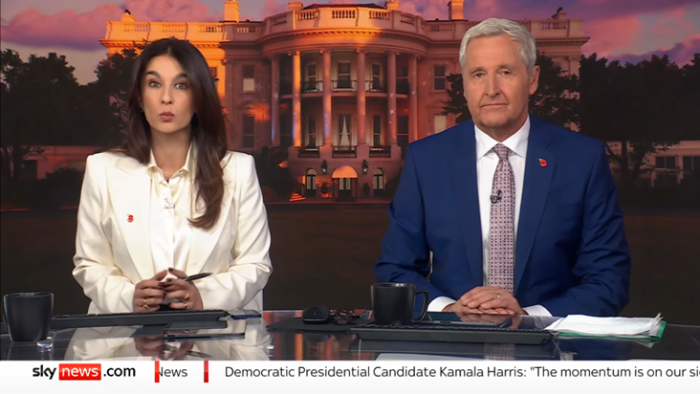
{"x":341,"y":89}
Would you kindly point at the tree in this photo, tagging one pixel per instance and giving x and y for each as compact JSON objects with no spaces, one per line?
{"x":691,"y":99}
{"x":273,"y":172}
{"x":638,"y":106}
{"x":554,"y":101}
{"x":38,"y":106}
{"x":456,"y":102}
{"x":109,"y":94}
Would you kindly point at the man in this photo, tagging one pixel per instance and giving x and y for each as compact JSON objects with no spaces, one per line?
{"x":507,"y":214}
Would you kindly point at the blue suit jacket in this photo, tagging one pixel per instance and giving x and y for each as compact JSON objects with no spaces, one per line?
{"x":571,"y":253}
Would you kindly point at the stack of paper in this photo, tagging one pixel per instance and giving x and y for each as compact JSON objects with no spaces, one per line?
{"x":625,"y":327}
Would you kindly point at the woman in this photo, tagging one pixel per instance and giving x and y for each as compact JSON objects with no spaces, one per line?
{"x":173,"y":201}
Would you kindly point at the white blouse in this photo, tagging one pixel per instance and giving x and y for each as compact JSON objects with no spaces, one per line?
{"x":171,"y":207}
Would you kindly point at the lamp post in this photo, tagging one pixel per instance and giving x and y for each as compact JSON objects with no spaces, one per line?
{"x":365,"y":167}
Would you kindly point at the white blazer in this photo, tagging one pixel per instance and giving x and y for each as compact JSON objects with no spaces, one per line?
{"x":113,"y":254}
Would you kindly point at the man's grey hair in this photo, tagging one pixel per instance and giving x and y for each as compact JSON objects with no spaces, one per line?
{"x":494,"y":27}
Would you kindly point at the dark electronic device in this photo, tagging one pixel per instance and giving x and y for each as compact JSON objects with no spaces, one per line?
{"x":447,"y":318}
{"x":451,"y":333}
{"x":62,"y":322}
{"x":316,"y":315}
{"x":244,"y":314}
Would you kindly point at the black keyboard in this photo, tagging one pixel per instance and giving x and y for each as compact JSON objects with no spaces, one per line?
{"x":451,"y":333}
{"x":463,"y":349}
{"x":157,"y":318}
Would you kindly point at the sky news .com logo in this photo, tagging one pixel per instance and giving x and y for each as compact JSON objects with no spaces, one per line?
{"x":81,"y":371}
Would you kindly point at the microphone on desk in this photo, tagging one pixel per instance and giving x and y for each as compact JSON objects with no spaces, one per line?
{"x":496,"y":198}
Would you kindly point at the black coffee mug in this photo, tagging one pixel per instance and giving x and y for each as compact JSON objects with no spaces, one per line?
{"x":393,"y":303}
{"x":28,"y":315}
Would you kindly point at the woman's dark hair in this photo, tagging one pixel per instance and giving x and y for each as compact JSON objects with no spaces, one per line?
{"x":208,"y":124}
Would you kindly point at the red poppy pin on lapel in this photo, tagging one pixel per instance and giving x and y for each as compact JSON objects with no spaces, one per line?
{"x":130,"y":218}
{"x":543,"y":162}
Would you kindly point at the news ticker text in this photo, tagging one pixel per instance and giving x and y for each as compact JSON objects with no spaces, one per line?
{"x":452,"y":372}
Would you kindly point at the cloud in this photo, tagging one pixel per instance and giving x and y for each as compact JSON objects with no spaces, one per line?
{"x":615,"y":28}
{"x":74,"y":30}
{"x":681,"y":53}
{"x":542,"y":9}
{"x":170,"y":11}
{"x":428,"y":9}
{"x":605,"y":9}
{"x":607,"y":35}
{"x":65,"y":29}
{"x":638,"y":34}
{"x":674,"y":23}
{"x":273,"y":7}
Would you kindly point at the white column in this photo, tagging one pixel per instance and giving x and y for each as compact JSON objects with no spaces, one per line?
{"x":230,"y":105}
{"x":391,"y":76}
{"x":413,"y":96}
{"x":361,"y":104}
{"x":275,"y":106}
{"x":296,"y":98}
{"x":327,"y":140}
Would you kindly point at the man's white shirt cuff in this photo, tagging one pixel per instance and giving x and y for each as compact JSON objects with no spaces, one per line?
{"x":438,"y":304}
{"x":537,"y":310}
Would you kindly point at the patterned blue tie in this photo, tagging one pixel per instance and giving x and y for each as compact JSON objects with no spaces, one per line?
{"x":501,"y":261}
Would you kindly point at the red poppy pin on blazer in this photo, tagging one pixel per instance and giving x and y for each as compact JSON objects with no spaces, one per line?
{"x":129,"y":218}
{"x":543,"y":162}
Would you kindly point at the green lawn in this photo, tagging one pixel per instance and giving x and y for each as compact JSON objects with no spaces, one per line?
{"x":327,"y":256}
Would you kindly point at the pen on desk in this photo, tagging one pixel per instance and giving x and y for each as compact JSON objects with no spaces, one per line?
{"x":197,"y":276}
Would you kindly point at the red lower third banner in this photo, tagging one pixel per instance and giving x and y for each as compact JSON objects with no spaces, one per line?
{"x":86,"y":371}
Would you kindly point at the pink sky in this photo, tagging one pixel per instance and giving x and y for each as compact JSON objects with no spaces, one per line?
{"x":622,"y":29}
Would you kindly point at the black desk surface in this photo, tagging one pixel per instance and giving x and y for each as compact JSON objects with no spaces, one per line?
{"x":680,"y":342}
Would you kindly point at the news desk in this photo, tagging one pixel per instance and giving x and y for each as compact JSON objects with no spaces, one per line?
{"x":679,"y":342}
